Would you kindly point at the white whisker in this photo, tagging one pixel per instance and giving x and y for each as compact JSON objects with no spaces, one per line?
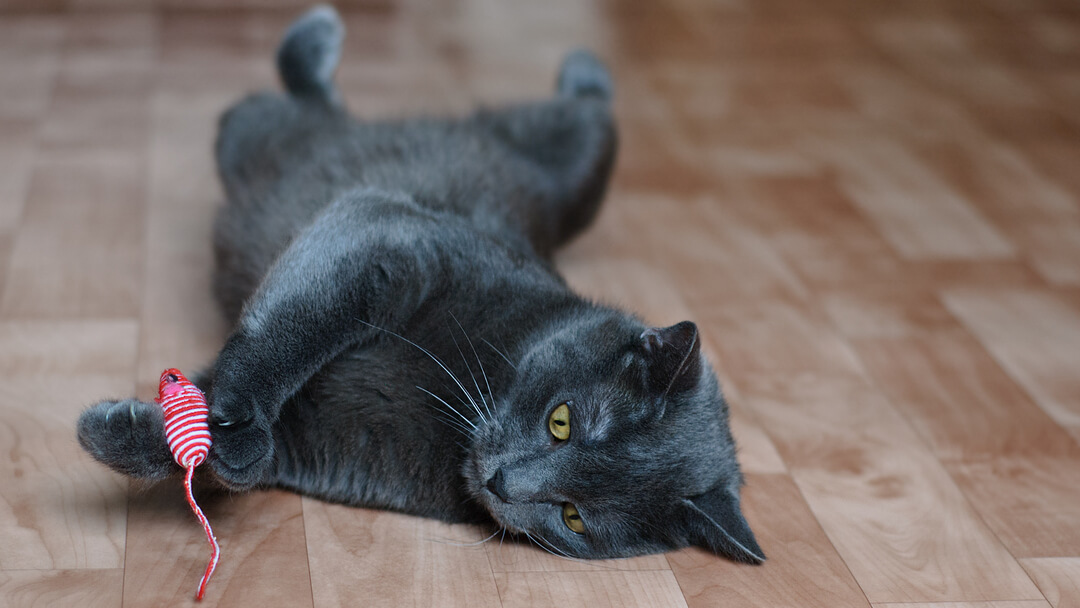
{"x":481,"y":364}
{"x":433,"y":358}
{"x":467,"y":421}
{"x":557,"y":552}
{"x":438,"y":415}
{"x":471,"y":375}
{"x":457,"y":544}
{"x":499,"y":352}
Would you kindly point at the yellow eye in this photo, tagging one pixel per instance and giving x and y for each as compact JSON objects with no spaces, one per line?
{"x":572,"y":519}
{"x":559,"y":422}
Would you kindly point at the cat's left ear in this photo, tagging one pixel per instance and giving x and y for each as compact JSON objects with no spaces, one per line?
{"x":673,"y":358}
{"x":714,"y":521}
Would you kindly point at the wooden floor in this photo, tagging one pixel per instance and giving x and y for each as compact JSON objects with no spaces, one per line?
{"x":872,"y":208}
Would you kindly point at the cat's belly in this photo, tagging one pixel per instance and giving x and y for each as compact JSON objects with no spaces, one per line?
{"x":363,"y":433}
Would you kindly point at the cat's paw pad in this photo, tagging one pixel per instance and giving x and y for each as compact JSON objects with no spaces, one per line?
{"x":128,"y":436}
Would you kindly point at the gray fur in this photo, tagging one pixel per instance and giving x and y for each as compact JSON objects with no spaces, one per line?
{"x":401,"y":337}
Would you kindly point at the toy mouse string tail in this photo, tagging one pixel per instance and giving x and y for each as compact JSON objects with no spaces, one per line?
{"x":215,"y":550}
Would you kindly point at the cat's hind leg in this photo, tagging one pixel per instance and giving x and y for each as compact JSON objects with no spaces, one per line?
{"x":569,"y":142}
{"x":252,"y":133}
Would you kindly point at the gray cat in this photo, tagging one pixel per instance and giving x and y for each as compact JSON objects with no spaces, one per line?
{"x":402,"y":341}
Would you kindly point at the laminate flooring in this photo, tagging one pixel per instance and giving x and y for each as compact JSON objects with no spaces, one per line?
{"x":871,"y":208}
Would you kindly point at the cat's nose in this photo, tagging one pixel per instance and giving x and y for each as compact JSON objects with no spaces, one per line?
{"x":497,"y":485}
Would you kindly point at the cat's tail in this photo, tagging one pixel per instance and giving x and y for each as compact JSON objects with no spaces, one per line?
{"x":310,"y":52}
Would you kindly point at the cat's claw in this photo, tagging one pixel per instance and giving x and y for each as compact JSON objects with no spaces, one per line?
{"x":128,"y":436}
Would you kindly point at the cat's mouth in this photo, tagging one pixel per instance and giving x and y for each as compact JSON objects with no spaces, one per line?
{"x":486,"y":490}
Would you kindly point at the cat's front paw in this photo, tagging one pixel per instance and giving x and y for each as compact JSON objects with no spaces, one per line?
{"x":243,"y":446}
{"x":129,"y":437}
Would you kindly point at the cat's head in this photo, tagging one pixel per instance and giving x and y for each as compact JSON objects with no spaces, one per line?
{"x":614,"y":441}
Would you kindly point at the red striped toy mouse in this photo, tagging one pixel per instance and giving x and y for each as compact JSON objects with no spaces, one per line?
{"x":188,"y":434}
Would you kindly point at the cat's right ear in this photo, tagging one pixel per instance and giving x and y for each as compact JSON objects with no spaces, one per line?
{"x":672,"y":358}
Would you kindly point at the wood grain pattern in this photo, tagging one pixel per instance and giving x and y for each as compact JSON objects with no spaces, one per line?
{"x":181,"y":328}
{"x":862,"y":469}
{"x":100,"y":588}
{"x":1034,"y":336}
{"x":589,"y":589}
{"x":357,"y":554}
{"x":30,"y":51}
{"x":99,"y":102}
{"x":1058,"y":578}
{"x":803,"y":567}
{"x":18,"y":140}
{"x":1028,"y":604}
{"x":871,"y":209}
{"x":865,"y":475}
{"x":59,"y":509}
{"x":77,"y":251}
{"x":920,"y":215}
{"x":263,"y":550}
{"x":1021,"y":478}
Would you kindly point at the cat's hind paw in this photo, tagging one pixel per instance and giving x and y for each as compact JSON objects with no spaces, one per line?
{"x":129,"y":437}
{"x":583,"y":75}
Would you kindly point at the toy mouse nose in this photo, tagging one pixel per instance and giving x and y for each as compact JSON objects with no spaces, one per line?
{"x":497,"y":485}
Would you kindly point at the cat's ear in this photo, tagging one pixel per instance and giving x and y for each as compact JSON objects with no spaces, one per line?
{"x":672,"y":358}
{"x":714,"y":521}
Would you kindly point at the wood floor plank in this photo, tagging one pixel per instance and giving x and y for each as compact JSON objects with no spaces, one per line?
{"x":59,"y":509}
{"x":78,"y":251}
{"x":521,"y":555}
{"x":358,"y":554}
{"x":100,"y":101}
{"x":1054,"y":158}
{"x":589,"y":589}
{"x":710,"y":241}
{"x":887,"y":311}
{"x":1032,"y":209}
{"x":824,"y":237}
{"x":30,"y":51}
{"x":1053,"y":248}
{"x":893,"y":513}
{"x":181,"y":327}
{"x":776,"y":339}
{"x":802,"y":570}
{"x":960,"y":399}
{"x":1023,"y":604}
{"x":1000,"y":181}
{"x":263,"y":549}
{"x":1019,"y":469}
{"x":100,"y":588}
{"x":817,"y":229}
{"x":1034,"y":335}
{"x":1058,"y":578}
{"x":920,"y":215}
{"x":18,"y":141}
